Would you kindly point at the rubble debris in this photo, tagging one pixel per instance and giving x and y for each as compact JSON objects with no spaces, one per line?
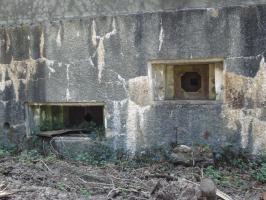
{"x":33,"y":176}
{"x":189,"y":156}
{"x":182,"y":154}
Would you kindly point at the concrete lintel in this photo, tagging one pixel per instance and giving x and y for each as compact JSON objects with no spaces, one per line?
{"x":187,"y":61}
{"x":90,"y":103}
{"x":194,"y":102}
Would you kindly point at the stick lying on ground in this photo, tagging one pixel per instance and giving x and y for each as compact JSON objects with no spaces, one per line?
{"x":4,"y":194}
{"x":222,"y":195}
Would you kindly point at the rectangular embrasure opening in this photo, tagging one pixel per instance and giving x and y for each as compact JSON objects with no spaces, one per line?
{"x":187,"y":80}
{"x":75,"y":118}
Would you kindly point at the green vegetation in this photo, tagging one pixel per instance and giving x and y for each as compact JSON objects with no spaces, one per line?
{"x":97,"y":154}
{"x":61,"y":186}
{"x":47,"y":125}
{"x":85,"y":192}
{"x":4,"y":152}
{"x":8,"y":150}
{"x":260,"y":174}
{"x":29,"y":156}
{"x":216,"y":175}
{"x":225,"y":177}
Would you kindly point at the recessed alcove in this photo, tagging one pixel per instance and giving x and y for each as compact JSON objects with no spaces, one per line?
{"x":43,"y":117}
{"x":187,"y":79}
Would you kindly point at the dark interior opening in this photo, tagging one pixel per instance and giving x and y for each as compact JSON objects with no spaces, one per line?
{"x":191,"y":81}
{"x":6,"y":126}
{"x":194,"y":81}
{"x":57,"y":117}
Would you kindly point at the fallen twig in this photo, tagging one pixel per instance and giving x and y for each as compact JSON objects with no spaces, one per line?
{"x":46,"y":166}
{"x":4,"y":194}
{"x":82,"y":180}
{"x":222,"y":195}
{"x":156,"y":187}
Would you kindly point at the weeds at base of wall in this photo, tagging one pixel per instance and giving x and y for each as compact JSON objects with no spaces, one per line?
{"x":243,"y":162}
{"x":260,"y":173}
{"x":233,"y":156}
{"x":97,"y":154}
{"x":152,"y":155}
{"x":3,"y":153}
{"x":101,"y":154}
{"x":259,"y":167}
{"x":223,"y":176}
{"x":8,"y":150}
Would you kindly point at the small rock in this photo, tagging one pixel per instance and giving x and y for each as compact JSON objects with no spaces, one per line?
{"x":186,"y":155}
{"x":182,"y":149}
{"x":263,"y":196}
{"x":208,"y":189}
{"x":181,"y":158}
{"x":182,"y":154}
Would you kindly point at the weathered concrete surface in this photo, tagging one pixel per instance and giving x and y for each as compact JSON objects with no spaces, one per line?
{"x":105,"y":59}
{"x":17,"y":11}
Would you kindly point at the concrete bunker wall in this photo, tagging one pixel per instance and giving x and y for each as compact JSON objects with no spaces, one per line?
{"x":105,"y":59}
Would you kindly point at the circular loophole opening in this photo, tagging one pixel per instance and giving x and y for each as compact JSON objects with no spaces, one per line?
{"x":191,"y":82}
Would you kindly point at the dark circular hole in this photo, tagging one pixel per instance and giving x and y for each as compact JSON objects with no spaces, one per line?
{"x":194,"y":82}
{"x":191,"y":81}
{"x":6,"y":126}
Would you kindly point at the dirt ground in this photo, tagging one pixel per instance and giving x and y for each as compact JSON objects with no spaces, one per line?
{"x":51,"y":178}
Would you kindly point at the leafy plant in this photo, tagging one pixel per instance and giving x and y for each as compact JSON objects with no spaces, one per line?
{"x":61,"y":186}
{"x":4,"y":152}
{"x":51,"y":158}
{"x":260,"y":174}
{"x":85,"y":192}
{"x":97,"y":154}
{"x":261,"y":158}
{"x":216,"y":175}
{"x":225,"y":178}
{"x":211,"y":172}
{"x":29,"y":156}
{"x":238,"y":163}
{"x":9,"y":149}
